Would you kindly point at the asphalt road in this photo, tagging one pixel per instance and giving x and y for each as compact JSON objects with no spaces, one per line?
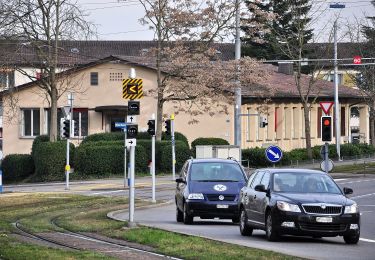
{"x":325,"y":248}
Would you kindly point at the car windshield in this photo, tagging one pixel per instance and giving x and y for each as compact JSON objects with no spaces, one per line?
{"x":301,"y":182}
{"x":216,"y":171}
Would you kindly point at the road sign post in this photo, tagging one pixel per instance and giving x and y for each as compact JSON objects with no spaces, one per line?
{"x":67,"y":166}
{"x":173,"y":148}
{"x":153,"y":163}
{"x":274,"y":154}
{"x":131,"y":222}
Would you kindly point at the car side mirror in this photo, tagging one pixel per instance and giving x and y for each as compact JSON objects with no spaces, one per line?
{"x":180,"y":180}
{"x":348,"y":191}
{"x":261,"y":188}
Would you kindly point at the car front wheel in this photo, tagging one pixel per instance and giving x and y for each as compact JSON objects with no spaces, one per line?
{"x":187,"y":218}
{"x":179,"y":215}
{"x":352,"y":239}
{"x":271,"y":231}
{"x":244,"y":227}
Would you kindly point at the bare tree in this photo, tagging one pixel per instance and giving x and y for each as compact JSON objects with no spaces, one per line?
{"x":190,"y":72}
{"x":41,"y":25}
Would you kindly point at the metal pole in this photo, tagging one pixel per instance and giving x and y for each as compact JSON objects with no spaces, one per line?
{"x":337,"y":105}
{"x":125,"y":179}
{"x":173,"y":148}
{"x":67,"y":167}
{"x":238,"y":104}
{"x":153,"y":163}
{"x":131,"y":188}
{"x":326,"y":157}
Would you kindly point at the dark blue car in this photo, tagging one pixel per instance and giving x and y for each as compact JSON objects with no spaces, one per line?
{"x":209,"y":188}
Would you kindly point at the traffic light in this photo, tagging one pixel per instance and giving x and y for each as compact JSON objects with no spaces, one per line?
{"x":66,"y":129}
{"x":133,"y":108}
{"x":168,"y":127}
{"x":151,"y":127}
{"x":326,"y":128}
{"x":131,"y":131}
{"x":263,"y":121}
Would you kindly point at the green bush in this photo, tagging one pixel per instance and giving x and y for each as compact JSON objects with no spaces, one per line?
{"x":38,"y":140}
{"x":207,"y":141}
{"x":107,"y":159}
{"x":165,"y":160}
{"x":17,"y":166}
{"x":255,"y":156}
{"x":50,"y":160}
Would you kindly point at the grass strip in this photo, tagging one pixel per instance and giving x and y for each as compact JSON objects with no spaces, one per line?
{"x":88,"y":214}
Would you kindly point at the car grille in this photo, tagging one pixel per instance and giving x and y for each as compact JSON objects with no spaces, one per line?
{"x":215,"y":197}
{"x":318,"y":209}
{"x":328,"y":227}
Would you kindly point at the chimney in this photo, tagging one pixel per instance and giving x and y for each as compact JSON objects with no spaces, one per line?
{"x":286,"y":67}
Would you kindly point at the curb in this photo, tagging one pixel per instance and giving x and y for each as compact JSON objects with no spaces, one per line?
{"x":112,"y":214}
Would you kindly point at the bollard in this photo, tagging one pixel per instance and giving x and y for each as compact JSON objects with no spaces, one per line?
{"x":1,"y":181}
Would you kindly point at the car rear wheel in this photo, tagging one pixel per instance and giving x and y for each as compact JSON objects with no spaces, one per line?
{"x":179,"y":215}
{"x":187,"y":218}
{"x":245,"y":229}
{"x":352,"y":239}
{"x":271,"y":231}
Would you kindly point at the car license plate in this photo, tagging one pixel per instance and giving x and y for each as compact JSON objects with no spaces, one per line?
{"x":220,"y":206}
{"x":324,"y":219}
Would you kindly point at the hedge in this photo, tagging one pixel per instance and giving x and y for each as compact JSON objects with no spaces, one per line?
{"x":256,"y":156}
{"x":50,"y":160}
{"x":165,"y":160}
{"x":17,"y":166}
{"x":117,"y":136}
{"x":105,"y":160}
{"x":207,"y":141}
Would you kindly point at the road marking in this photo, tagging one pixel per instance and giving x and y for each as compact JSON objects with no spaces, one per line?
{"x":340,"y":179}
{"x":362,"y":196}
{"x":367,"y":240}
{"x":358,"y":181}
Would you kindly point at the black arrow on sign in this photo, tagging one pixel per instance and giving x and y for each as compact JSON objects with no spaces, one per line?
{"x":130,"y":142}
{"x":131,"y":119}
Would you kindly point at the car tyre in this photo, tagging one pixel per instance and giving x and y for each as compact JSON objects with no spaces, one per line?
{"x":179,"y":215}
{"x":245,"y":229}
{"x":351,"y":239}
{"x":187,"y":218}
{"x":271,"y":232}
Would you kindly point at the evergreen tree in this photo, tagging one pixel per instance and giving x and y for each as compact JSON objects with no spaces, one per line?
{"x":281,"y":25}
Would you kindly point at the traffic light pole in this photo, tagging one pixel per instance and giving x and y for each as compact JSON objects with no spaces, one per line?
{"x":67,"y":166}
{"x":326,"y":157}
{"x":153,"y":163}
{"x":173,"y":148}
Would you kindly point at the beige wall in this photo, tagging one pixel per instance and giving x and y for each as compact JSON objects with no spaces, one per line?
{"x":289,"y":133}
{"x":107,"y":93}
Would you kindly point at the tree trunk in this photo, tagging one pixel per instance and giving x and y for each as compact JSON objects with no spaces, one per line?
{"x":160,"y":101}
{"x":306,"y":111}
{"x":53,"y":122}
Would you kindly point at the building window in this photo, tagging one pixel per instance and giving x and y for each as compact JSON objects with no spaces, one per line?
{"x":30,"y":122}
{"x":115,"y":76}
{"x":6,"y":79}
{"x":331,"y":78}
{"x":94,"y":78}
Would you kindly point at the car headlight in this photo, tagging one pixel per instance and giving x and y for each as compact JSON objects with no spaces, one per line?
{"x":351,"y":209}
{"x":195,"y":196}
{"x":285,"y":206}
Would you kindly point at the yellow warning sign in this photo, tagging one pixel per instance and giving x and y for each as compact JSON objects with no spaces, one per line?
{"x":132,"y":89}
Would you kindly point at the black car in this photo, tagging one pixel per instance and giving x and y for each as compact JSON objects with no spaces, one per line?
{"x":209,"y":188}
{"x":297,"y":202}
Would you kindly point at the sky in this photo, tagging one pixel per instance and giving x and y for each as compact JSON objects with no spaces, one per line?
{"x":119,"y":19}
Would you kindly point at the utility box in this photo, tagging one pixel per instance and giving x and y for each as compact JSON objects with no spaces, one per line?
{"x":203,"y":151}
{"x":218,"y":151}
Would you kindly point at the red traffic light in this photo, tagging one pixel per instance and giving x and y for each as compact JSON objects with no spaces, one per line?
{"x":357,"y":59}
{"x":326,"y":122}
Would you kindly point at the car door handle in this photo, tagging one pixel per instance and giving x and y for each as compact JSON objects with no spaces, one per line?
{"x":255,"y":196}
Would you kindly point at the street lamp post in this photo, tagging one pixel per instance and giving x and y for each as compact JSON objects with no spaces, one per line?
{"x":238,"y":102}
{"x":336,"y":83}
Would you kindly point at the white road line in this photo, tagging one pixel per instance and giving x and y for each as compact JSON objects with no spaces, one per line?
{"x":367,"y":240}
{"x":362,"y":196}
{"x":357,"y":181}
{"x":105,"y":192}
{"x":340,"y":179}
